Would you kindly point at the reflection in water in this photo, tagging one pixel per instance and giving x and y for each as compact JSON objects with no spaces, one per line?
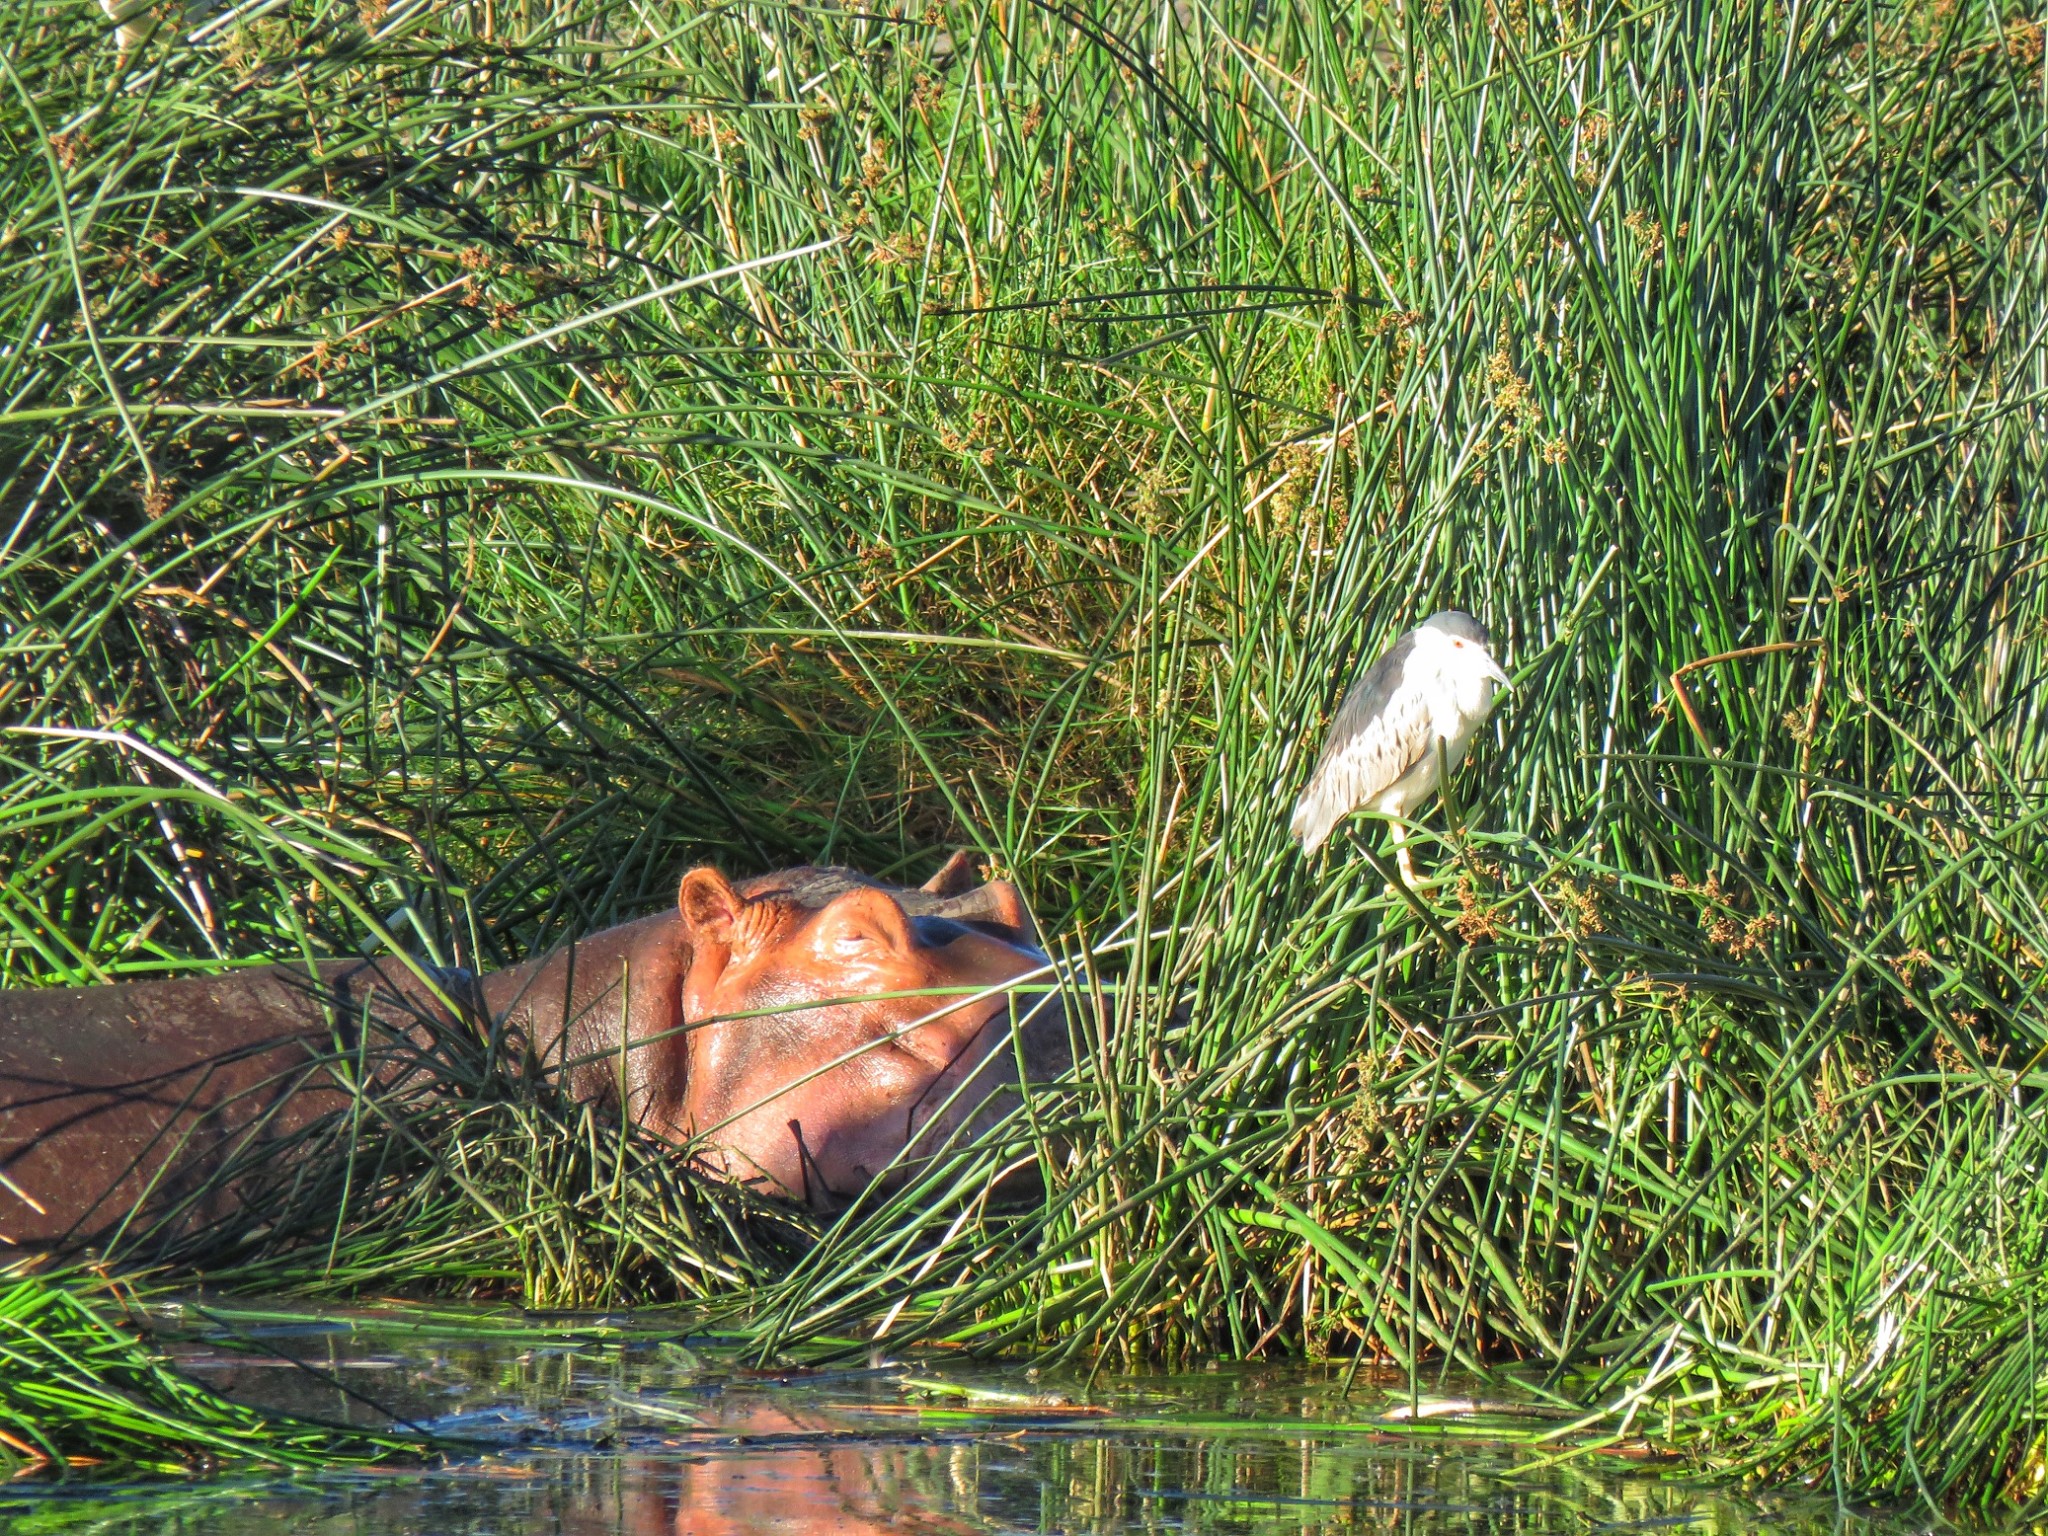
{"x":786,"y":1486}
{"x":942,"y":1489}
{"x":640,"y":1437}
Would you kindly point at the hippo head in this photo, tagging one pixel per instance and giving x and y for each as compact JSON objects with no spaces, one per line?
{"x":841,"y":1029}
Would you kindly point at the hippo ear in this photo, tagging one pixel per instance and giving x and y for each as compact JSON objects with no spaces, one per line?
{"x":1007,"y":902}
{"x":957,"y":875}
{"x":997,"y":903}
{"x":710,"y":906}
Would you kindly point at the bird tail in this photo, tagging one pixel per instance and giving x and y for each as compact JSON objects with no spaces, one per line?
{"x":1313,"y":819}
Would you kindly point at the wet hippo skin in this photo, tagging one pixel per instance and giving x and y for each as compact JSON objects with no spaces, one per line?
{"x":748,"y":1022}
{"x":126,"y":1097}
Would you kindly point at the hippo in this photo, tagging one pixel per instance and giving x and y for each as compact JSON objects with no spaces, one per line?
{"x":802,"y":1033}
{"x":846,"y":1481}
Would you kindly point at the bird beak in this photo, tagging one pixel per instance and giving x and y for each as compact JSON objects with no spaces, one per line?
{"x":1493,"y":671}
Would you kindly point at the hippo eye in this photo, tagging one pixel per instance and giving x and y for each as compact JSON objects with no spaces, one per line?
{"x":862,"y":920}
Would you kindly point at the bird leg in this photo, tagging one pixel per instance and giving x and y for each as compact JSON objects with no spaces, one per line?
{"x":1409,"y":878}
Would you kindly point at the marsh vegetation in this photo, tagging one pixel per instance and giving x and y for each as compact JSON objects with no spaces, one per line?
{"x":460,"y":464}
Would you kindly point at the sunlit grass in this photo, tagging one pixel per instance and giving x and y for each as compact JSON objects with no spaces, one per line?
{"x":80,"y":1388}
{"x":463,"y":472}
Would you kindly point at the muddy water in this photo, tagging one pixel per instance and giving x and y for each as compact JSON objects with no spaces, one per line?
{"x":628,"y":1427}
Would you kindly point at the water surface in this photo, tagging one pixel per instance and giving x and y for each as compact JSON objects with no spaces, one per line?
{"x":625,"y":1427}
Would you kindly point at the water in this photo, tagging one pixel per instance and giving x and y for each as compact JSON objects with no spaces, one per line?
{"x":624,"y":1427}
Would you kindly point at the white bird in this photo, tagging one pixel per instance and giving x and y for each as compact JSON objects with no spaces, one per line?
{"x":1436,"y":684}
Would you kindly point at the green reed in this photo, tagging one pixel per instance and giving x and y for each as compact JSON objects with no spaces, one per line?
{"x":462,"y":465}
{"x":82,"y":1386}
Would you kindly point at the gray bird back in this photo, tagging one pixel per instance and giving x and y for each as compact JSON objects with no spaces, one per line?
{"x":1368,"y":699}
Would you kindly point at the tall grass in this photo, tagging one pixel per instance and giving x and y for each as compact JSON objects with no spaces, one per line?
{"x":79,"y":1389}
{"x":463,"y":463}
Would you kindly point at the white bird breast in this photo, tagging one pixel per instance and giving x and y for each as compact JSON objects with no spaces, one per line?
{"x":1459,"y":695}
{"x":1390,"y":765}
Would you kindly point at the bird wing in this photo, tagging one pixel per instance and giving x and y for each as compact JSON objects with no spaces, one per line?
{"x":1382,"y":729}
